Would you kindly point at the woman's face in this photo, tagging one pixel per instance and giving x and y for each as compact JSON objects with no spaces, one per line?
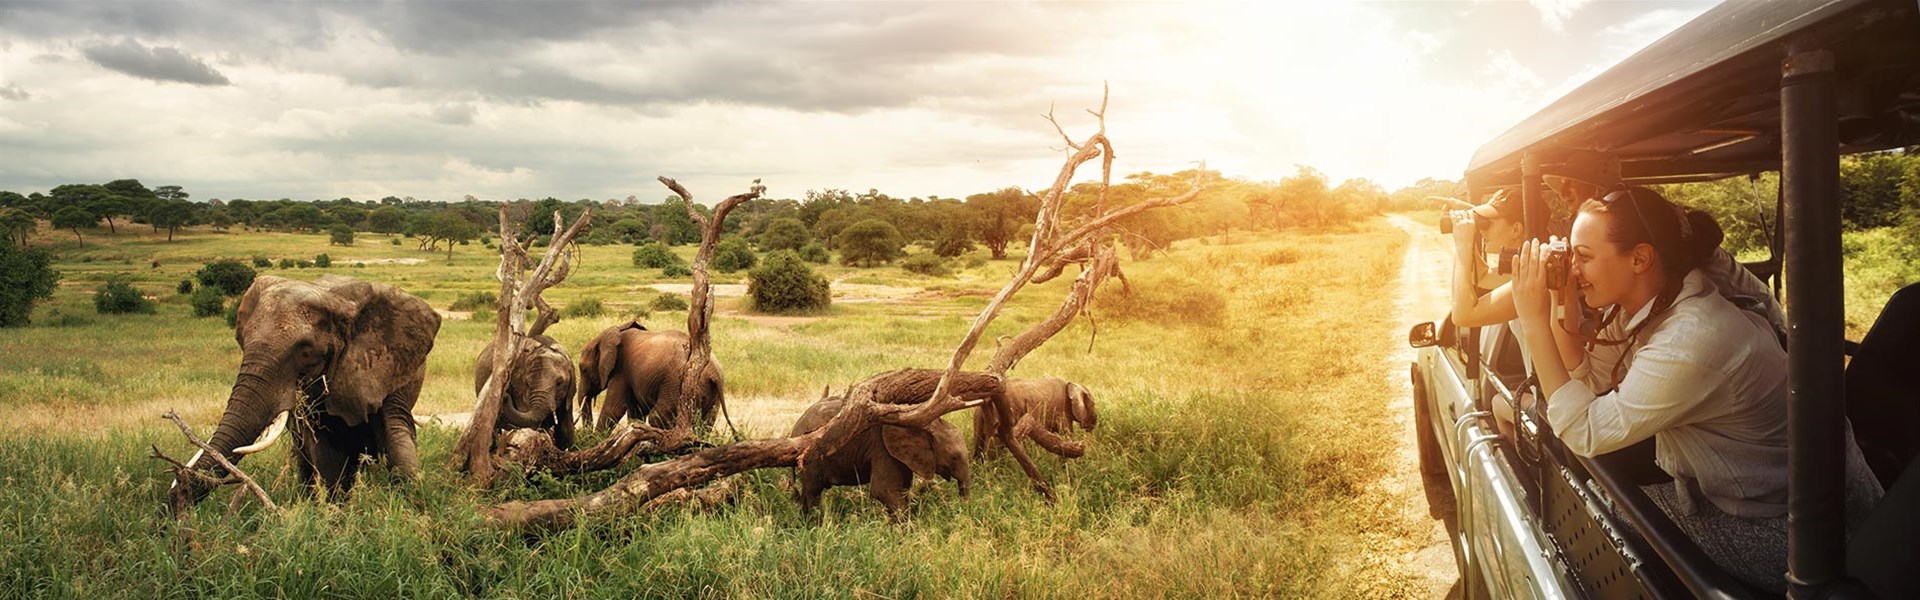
{"x":1604,"y":270}
{"x":1502,"y":233}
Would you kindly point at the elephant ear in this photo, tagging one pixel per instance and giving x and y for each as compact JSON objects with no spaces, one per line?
{"x":1080,"y":405}
{"x":914,"y":447}
{"x":387,"y":341}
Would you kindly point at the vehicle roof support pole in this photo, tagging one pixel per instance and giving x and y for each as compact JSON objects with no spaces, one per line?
{"x":1533,"y":197}
{"x":1816,"y":408}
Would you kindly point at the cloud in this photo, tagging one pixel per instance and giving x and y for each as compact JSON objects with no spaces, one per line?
{"x":157,"y":63}
{"x":1555,"y":13}
{"x":453,"y":114}
{"x":14,"y":92}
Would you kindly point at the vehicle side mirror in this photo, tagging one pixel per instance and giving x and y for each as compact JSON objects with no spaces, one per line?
{"x":1422,"y":335}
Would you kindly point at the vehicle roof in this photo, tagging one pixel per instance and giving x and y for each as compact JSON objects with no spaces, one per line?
{"x":1665,"y":112}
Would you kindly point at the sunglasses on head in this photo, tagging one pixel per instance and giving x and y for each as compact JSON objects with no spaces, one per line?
{"x":1639,"y":211}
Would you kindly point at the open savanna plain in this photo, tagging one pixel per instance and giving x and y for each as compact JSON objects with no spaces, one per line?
{"x":1247,"y":428}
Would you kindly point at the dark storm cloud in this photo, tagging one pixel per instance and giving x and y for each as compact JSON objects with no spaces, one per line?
{"x":158,"y":63}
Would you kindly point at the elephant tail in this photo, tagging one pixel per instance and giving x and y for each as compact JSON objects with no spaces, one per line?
{"x":718,"y":392}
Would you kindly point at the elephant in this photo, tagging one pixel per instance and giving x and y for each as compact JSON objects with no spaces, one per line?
{"x":340,"y":362}
{"x":885,"y":458}
{"x":540,"y":389}
{"x":1052,"y":403}
{"x":641,"y":370}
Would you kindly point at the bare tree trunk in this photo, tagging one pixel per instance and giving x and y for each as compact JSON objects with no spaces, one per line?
{"x":473,"y":454}
{"x":700,"y":311}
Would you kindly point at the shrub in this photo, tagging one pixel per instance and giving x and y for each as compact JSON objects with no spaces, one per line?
{"x":261,"y":262}
{"x":185,"y":287}
{"x":286,"y":263}
{"x":483,"y":315}
{"x":229,"y":275}
{"x":25,"y":278}
{"x":677,"y":271}
{"x":925,"y":264}
{"x":784,"y":234}
{"x":868,"y":243}
{"x":655,"y":255}
{"x":208,"y":301}
{"x":304,"y":263}
{"x":340,"y":235}
{"x":396,"y":241}
{"x":586,"y":308}
{"x":786,"y":284}
{"x":120,"y":297}
{"x":953,"y":242}
{"x":733,"y":254}
{"x":815,"y":253}
{"x":475,"y":300}
{"x":61,"y":318}
{"x":668,"y":302}
{"x":323,"y":261}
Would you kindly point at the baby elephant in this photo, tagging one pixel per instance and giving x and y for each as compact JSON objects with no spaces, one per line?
{"x":1052,"y":404}
{"x":885,"y":458}
{"x":539,"y":391}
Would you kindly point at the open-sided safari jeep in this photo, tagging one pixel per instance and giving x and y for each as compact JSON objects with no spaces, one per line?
{"x":1747,"y":87}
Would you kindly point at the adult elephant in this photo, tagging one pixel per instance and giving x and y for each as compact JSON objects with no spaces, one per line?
{"x":539,"y":392}
{"x":340,"y":362}
{"x":640,"y":371}
{"x":884,"y":457}
{"x":1052,"y":404}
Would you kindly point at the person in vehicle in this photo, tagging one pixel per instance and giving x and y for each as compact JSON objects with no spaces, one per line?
{"x":1676,"y":361}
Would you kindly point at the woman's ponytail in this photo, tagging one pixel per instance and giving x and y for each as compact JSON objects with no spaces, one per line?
{"x":1702,"y":236}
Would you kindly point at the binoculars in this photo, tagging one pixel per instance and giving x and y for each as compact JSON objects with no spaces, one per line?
{"x":1449,"y":218}
{"x":1556,"y":263}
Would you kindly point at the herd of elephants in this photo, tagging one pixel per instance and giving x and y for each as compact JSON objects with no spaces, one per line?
{"x":341,"y":362}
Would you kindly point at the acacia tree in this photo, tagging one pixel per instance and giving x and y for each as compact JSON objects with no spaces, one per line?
{"x":74,"y":217}
{"x":910,"y":398}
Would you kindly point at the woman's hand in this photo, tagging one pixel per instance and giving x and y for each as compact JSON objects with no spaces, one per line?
{"x":1464,"y":236}
{"x":1530,"y":295}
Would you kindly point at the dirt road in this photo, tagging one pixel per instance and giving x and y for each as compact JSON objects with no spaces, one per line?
{"x":1422,"y":297}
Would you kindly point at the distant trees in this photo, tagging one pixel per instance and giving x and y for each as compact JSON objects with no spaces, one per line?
{"x":448,"y":226}
{"x":171,"y":214}
{"x":732,"y":254}
{"x":784,"y":234}
{"x":387,"y":219}
{"x":997,"y":217}
{"x":18,"y":224}
{"x":25,"y":278}
{"x":341,"y":235}
{"x":74,"y":217}
{"x":870,"y":243}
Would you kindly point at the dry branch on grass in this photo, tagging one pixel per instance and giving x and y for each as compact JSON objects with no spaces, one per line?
{"x":473,"y":454}
{"x":188,"y":476}
{"x":908,"y":398}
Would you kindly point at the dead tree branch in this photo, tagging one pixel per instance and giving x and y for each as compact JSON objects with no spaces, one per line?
{"x":187,"y":474}
{"x":700,"y":310}
{"x":518,"y":290}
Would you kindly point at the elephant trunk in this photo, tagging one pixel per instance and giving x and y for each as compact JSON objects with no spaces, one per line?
{"x":531,"y":409}
{"x":251,"y":406}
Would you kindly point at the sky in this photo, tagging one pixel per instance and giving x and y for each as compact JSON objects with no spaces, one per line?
{"x":505,"y":100}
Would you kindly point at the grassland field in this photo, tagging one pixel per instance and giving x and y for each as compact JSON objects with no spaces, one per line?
{"x":1245,"y":429}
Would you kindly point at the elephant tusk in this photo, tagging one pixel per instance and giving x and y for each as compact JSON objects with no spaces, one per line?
{"x":267,"y":437}
{"x":196,"y":458}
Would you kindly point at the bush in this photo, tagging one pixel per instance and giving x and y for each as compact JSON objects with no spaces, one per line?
{"x":119,"y":297}
{"x":341,"y":235}
{"x":868,"y":243}
{"x":304,"y":263}
{"x":586,"y":308}
{"x":261,"y":262}
{"x":668,"y":302}
{"x":925,"y":264}
{"x":208,"y":301}
{"x":25,"y":278}
{"x":229,"y":275}
{"x":677,"y":271}
{"x":483,"y":315}
{"x":286,"y":263}
{"x":475,"y":300}
{"x":396,"y":241}
{"x":655,"y":255}
{"x":815,"y":253}
{"x":784,"y":234}
{"x":323,"y":261}
{"x":185,"y":287}
{"x":733,"y":254}
{"x":953,"y":242}
{"x":786,"y":284}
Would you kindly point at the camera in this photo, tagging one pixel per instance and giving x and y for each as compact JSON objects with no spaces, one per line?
{"x":1556,"y":264}
{"x":1448,"y":218}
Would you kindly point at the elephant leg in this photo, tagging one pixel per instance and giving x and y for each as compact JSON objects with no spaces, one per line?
{"x":396,"y":434}
{"x":332,"y":468}
{"x":809,"y":494}
{"x":889,"y":485}
{"x":983,"y":429}
{"x":619,"y":396}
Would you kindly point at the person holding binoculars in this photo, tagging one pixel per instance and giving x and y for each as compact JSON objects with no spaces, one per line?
{"x":1675,"y":360}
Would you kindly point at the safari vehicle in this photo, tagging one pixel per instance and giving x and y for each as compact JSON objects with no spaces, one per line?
{"x":1747,"y":87}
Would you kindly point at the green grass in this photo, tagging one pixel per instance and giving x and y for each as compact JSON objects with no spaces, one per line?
{"x":1237,"y":456}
